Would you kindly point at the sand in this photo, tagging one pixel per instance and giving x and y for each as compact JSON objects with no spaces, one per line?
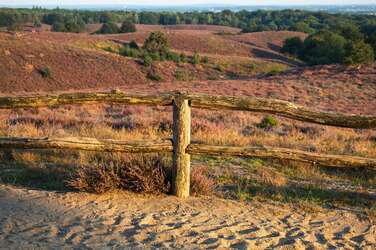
{"x":35,"y":219}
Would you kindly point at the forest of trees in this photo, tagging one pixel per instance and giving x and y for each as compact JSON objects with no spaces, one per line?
{"x":349,"y":33}
{"x":345,"y":44}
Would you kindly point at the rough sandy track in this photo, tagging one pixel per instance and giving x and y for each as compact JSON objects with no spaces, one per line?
{"x":31,"y":219}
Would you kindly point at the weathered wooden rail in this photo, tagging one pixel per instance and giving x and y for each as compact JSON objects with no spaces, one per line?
{"x":181,"y":144}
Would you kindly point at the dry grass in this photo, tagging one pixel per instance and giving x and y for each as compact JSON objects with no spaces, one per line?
{"x":201,"y":182}
{"x":136,"y":173}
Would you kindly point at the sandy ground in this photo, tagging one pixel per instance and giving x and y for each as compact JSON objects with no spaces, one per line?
{"x":33,"y":219}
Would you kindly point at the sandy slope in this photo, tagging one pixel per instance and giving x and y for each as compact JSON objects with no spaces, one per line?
{"x":32,"y":219}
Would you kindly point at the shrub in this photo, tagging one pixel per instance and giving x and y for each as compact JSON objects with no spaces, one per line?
{"x":45,"y":72}
{"x":183,"y":58}
{"x":133,"y":45}
{"x":147,"y":60}
{"x":275,"y":69}
{"x":136,"y":173}
{"x":157,"y":42}
{"x":139,"y":173}
{"x":293,"y":46}
{"x":130,"y":52}
{"x":128,"y":27}
{"x":205,"y":59}
{"x":155,"y":56}
{"x":201,"y":183}
{"x":183,"y":75}
{"x":220,"y":68}
{"x":196,"y":58}
{"x":154,"y":76}
{"x":171,"y":56}
{"x":268,"y":122}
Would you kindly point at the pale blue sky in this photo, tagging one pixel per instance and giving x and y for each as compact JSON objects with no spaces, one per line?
{"x":183,"y":2}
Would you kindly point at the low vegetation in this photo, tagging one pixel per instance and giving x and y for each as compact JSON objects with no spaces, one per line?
{"x":45,"y":72}
{"x":157,"y":48}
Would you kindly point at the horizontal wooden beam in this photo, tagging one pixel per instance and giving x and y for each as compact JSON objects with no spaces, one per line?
{"x":272,"y":106}
{"x":87,"y":144}
{"x":282,"y":108}
{"x":84,"y":98}
{"x":283,"y":154}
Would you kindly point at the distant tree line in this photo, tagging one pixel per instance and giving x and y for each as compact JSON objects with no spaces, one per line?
{"x":352,"y":34}
{"x":248,"y":21}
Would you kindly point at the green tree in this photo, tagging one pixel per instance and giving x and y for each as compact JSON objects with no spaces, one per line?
{"x":59,"y":27}
{"x":358,"y":52}
{"x":128,"y":27}
{"x":372,"y":41}
{"x":75,"y":26}
{"x":157,"y":42}
{"x":349,"y":31}
{"x":108,"y":28}
{"x":324,"y":47}
{"x":293,"y":46}
{"x":303,"y":27}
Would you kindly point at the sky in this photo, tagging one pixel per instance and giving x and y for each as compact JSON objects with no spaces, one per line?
{"x":183,"y":2}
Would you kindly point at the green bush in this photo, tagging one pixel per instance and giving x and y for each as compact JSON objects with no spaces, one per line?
{"x":147,"y":60}
{"x":45,"y":72}
{"x":128,"y":27}
{"x":268,"y":122}
{"x":205,"y":59}
{"x":196,"y":58}
{"x":133,"y":45}
{"x":293,"y":46}
{"x":183,"y":58}
{"x":171,"y":56}
{"x":130,"y":52}
{"x":155,"y":56}
{"x":108,"y":28}
{"x":157,"y":42}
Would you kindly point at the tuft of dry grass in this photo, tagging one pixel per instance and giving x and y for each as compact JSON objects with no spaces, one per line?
{"x":136,"y":173}
{"x":201,"y":182}
{"x":271,"y":177}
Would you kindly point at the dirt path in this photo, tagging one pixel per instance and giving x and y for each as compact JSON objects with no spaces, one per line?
{"x":33,"y":219}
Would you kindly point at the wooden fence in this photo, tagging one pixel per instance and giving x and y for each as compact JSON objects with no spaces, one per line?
{"x":181,"y":144}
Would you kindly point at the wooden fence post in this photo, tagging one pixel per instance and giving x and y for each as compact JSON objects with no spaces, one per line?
{"x":181,"y":140}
